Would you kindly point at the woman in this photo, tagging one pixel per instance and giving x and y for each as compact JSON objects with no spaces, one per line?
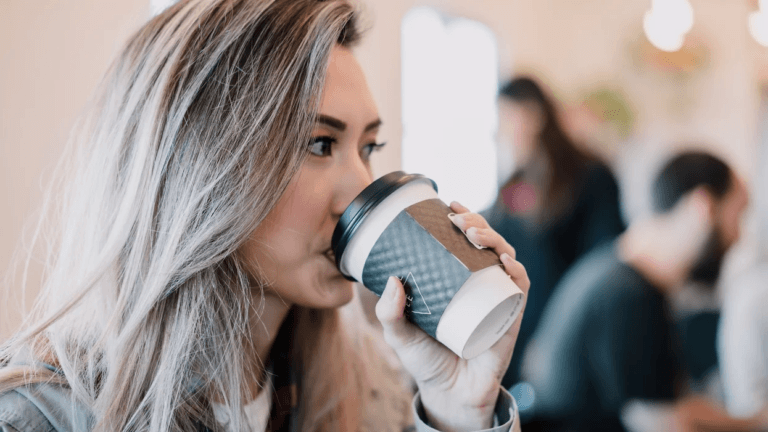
{"x":559,"y":203}
{"x":192,"y":286}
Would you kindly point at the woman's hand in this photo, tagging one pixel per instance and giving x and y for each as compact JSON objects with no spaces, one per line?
{"x":457,"y":394}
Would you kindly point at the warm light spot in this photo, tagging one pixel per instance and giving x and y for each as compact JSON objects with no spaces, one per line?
{"x":758,"y":24}
{"x":157,"y":6}
{"x":667,"y":22}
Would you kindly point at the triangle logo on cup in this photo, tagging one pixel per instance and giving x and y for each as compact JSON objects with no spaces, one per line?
{"x":410,"y":281}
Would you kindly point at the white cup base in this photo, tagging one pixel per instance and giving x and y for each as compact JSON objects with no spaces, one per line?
{"x":480,"y":313}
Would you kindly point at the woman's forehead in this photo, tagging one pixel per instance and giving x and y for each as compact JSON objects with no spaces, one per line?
{"x":346,"y":95}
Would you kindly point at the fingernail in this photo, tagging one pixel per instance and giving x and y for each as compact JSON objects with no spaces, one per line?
{"x":458,"y":220}
{"x":472,"y":231}
{"x":505,"y":258}
{"x":391,"y":287}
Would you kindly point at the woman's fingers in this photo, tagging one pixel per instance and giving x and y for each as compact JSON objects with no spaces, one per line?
{"x":464,"y":219}
{"x":489,"y":238}
{"x":458,"y":208}
{"x":501,"y":352}
{"x":517,"y":272}
{"x":390,"y":310}
{"x":479,"y":232}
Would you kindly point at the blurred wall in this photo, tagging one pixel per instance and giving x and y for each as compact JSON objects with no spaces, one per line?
{"x":574,"y":46}
{"x":52,"y":55}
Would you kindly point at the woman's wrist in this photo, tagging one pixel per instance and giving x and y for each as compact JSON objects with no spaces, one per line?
{"x":447,"y":414}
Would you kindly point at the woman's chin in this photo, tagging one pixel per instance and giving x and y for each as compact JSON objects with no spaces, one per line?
{"x":338,"y":292}
{"x":343,"y":291}
{"x":329,"y":294}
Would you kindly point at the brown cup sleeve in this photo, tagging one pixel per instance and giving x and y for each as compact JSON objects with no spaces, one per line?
{"x":432,"y":215}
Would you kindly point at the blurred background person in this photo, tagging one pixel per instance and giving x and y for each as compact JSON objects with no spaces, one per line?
{"x":742,"y":337}
{"x":743,"y":346}
{"x":606,"y":357}
{"x":559,"y":203}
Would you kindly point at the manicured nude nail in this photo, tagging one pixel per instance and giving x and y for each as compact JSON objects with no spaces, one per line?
{"x":391,"y":286}
{"x":458,"y":220}
{"x":506,"y":258}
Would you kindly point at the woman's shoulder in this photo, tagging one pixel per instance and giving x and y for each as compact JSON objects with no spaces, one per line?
{"x":18,"y":413}
{"x":42,"y":407}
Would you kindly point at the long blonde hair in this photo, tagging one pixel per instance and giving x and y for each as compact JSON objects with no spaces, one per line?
{"x":195,"y":132}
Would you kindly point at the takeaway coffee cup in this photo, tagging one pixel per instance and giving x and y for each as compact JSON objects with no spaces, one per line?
{"x":456,"y":292}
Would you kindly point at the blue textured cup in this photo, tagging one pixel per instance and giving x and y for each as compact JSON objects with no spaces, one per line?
{"x":457,"y":293}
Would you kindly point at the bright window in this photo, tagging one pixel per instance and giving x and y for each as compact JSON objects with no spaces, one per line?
{"x":449,"y":85}
{"x":157,"y":6}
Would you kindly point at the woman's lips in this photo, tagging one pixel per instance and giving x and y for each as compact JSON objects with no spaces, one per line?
{"x":330,"y":255}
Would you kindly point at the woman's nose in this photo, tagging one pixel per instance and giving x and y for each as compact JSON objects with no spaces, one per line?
{"x":354,"y":179}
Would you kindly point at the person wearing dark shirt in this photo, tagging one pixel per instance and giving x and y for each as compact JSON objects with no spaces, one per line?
{"x":559,"y":203}
{"x":605,"y":357}
{"x":605,"y":338}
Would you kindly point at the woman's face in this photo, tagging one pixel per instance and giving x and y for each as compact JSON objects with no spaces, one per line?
{"x":293,"y":245}
{"x":519,"y":128}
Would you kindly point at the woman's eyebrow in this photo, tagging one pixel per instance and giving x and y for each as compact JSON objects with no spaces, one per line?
{"x":373,"y":125}
{"x":339,"y":125}
{"x":332,"y":122}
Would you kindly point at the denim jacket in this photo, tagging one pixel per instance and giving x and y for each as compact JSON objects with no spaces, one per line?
{"x":47,"y":407}
{"x":50,"y":407}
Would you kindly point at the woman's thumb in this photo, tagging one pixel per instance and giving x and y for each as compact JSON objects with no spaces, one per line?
{"x":391,"y":305}
{"x":390,"y":311}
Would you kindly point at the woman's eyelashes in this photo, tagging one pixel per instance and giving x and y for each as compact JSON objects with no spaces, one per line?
{"x":322,"y":146}
{"x":371,"y":148}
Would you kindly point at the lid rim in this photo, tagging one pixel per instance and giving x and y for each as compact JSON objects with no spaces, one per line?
{"x":358,"y":210}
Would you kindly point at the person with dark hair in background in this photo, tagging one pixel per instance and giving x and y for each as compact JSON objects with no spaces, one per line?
{"x":559,"y":203}
{"x":605,"y":357}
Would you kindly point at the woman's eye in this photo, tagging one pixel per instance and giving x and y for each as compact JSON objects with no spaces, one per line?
{"x":369,"y":149}
{"x":321,"y":146}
